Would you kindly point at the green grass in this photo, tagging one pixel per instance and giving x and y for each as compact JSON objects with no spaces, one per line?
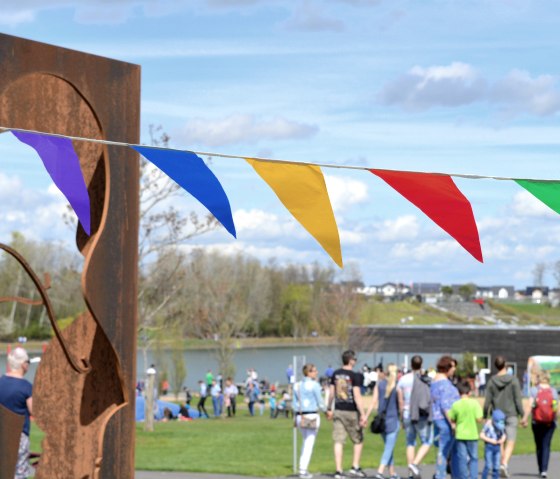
{"x":256,"y":446}
{"x":391,"y":313}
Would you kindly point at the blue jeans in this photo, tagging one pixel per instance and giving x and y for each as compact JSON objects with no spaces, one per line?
{"x":217,"y":405}
{"x":422,"y":429}
{"x":492,"y":456}
{"x":466,"y":455}
{"x":390,"y":439}
{"x":442,"y":429}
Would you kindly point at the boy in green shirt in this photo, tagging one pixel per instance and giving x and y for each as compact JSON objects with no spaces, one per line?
{"x":464,"y":414}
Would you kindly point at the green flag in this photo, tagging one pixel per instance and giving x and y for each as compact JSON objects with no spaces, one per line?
{"x":546,"y":191}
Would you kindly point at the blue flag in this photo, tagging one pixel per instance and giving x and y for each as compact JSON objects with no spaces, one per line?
{"x":191,"y":173}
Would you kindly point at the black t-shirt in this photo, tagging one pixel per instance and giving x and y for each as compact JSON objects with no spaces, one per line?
{"x":344,"y":380}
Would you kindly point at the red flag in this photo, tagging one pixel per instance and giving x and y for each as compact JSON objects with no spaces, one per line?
{"x":439,"y":198}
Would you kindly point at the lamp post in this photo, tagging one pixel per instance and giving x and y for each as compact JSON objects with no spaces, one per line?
{"x":149,"y":411}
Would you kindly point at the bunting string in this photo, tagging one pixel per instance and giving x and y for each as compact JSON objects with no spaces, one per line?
{"x":299,"y":185}
{"x":468,"y":176}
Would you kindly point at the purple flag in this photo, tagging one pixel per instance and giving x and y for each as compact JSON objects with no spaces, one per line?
{"x":63,"y":165}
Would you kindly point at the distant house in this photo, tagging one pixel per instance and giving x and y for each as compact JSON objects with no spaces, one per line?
{"x":367,"y":290}
{"x":537,"y":293}
{"x":495,"y":292}
{"x":426,"y":289}
{"x":388,"y":290}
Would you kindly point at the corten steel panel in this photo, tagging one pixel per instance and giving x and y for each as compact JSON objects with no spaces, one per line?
{"x":516,"y":344}
{"x":46,"y":88}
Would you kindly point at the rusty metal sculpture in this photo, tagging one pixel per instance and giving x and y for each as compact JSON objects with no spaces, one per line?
{"x":86,"y":407}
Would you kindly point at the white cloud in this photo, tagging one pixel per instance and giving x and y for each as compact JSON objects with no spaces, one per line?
{"x":243,"y":129}
{"x":497,"y":224}
{"x":526,"y":205}
{"x":348,"y":237}
{"x":310,"y":17}
{"x":519,"y":92}
{"x":461,"y":84}
{"x":17,"y":17}
{"x":422,"y":88}
{"x":403,"y":228}
{"x":260,"y":224}
{"x":9,"y":187}
{"x":361,"y":3}
{"x":427,"y":250}
{"x":263,"y":253}
{"x":345,"y":192}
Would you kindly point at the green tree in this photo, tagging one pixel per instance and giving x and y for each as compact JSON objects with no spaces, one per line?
{"x":467,"y":291}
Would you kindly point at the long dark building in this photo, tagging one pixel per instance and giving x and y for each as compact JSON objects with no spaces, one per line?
{"x":517,"y":344}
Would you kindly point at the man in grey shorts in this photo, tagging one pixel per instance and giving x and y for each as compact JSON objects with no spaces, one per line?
{"x":345,"y":391}
{"x":503,"y":392}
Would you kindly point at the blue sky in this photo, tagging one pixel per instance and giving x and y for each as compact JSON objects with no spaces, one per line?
{"x":447,"y":86}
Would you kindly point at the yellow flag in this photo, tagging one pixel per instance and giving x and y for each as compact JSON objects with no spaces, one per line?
{"x":302,"y":189}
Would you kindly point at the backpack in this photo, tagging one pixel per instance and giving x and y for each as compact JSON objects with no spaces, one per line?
{"x":543,"y":410}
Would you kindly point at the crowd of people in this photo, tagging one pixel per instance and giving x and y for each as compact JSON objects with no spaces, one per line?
{"x":432,"y":410}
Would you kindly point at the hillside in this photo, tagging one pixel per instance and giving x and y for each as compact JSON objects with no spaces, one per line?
{"x":403,"y":312}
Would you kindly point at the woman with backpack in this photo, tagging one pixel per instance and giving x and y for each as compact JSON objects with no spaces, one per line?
{"x":543,"y":409}
{"x":385,"y":400}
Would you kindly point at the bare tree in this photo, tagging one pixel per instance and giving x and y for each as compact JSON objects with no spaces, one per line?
{"x":538,"y":274}
{"x":162,"y":229}
{"x":556,"y":272}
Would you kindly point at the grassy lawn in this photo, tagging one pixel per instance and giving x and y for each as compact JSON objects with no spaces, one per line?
{"x":256,"y":446}
{"x":392,"y":313}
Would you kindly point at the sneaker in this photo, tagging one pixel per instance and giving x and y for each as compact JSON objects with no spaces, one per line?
{"x":395,"y":476}
{"x":414,"y":471}
{"x":339,"y":475}
{"x":504,"y":471}
{"x":357,"y":472}
{"x":544,"y":474}
{"x":378,"y":475}
{"x":305,"y":475}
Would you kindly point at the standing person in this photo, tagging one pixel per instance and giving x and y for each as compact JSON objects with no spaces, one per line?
{"x":494,"y":435}
{"x":544,"y":409}
{"x":464,"y":415}
{"x":444,"y":395}
{"x":203,"y":393}
{"x":272,"y":405}
{"x":348,"y":413}
{"x":231,"y":391}
{"x":209,"y":378}
{"x":504,"y":392}
{"x":15,"y":395}
{"x":216,"y":393}
{"x":306,"y":405}
{"x":416,"y":417}
{"x":385,"y":399}
{"x":252,"y":395}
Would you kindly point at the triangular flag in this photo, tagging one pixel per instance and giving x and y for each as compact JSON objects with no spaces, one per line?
{"x":63,"y":165}
{"x":191,"y":173}
{"x":439,"y":198}
{"x":546,"y":191}
{"x":302,"y":190}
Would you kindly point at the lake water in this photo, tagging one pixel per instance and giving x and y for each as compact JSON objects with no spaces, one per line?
{"x":270,"y":362}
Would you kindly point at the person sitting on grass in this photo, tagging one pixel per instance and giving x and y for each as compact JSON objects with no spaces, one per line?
{"x":464,"y":414}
